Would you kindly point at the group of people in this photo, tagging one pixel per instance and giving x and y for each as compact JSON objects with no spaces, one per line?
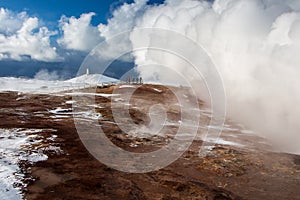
{"x":137,"y":80}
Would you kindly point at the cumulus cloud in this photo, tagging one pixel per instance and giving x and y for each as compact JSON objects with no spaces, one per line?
{"x":254,"y":45}
{"x":78,"y":33}
{"x":123,"y":20}
{"x":21,"y":37}
{"x":11,"y":22}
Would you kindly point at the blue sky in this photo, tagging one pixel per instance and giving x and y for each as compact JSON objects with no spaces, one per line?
{"x":43,"y":21}
{"x":52,"y":10}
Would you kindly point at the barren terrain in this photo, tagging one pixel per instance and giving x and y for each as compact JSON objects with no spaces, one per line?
{"x":240,"y":166}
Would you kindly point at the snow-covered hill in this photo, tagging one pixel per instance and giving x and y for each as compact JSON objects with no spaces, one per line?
{"x":92,"y":79}
{"x":44,"y":86}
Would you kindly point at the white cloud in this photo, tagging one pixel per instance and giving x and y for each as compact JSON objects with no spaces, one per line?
{"x":22,"y":37}
{"x":79,"y":34}
{"x":123,"y":20}
{"x":11,"y":22}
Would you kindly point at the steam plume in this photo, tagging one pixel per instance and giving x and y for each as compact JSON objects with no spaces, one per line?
{"x":255,"y":45}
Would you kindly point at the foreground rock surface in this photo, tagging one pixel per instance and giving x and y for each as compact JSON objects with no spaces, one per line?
{"x":248,"y":171}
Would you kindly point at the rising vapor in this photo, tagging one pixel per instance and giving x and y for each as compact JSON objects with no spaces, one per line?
{"x":254,"y":45}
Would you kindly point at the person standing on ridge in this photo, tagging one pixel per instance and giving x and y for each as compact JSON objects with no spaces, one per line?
{"x":141,"y":80}
{"x":128,"y":79}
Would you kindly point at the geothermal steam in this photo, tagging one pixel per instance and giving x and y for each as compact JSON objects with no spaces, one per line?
{"x":255,"y":45}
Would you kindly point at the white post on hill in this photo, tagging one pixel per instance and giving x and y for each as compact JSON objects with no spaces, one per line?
{"x":87,"y":71}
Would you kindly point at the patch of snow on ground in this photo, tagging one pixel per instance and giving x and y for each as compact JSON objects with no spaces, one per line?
{"x":60,"y":110}
{"x":172,"y":123}
{"x":14,"y":147}
{"x":118,"y":99}
{"x":157,"y":90}
{"x":127,"y":86}
{"x":68,"y":113}
{"x":91,"y":94}
{"x":21,"y":98}
{"x":70,"y":102}
{"x":35,"y":157}
{"x":60,"y":116}
{"x":88,"y":115}
{"x":95,"y":106}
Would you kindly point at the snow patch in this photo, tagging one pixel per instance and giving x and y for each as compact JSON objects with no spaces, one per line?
{"x":95,"y":106}
{"x":91,"y":94}
{"x":68,"y":112}
{"x":127,"y":86}
{"x":70,"y":102}
{"x":157,"y":90}
{"x":60,"y":110}
{"x":15,"y":146}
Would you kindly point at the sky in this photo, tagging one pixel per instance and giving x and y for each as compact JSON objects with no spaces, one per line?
{"x":40,"y":35}
{"x":51,"y":10}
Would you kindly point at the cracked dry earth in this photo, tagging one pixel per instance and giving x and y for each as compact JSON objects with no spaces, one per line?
{"x":242,"y":169}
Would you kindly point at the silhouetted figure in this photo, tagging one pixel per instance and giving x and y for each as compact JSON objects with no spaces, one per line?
{"x":128,"y":80}
{"x":141,"y":80}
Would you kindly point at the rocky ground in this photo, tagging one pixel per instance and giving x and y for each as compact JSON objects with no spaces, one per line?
{"x":239,"y":166}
